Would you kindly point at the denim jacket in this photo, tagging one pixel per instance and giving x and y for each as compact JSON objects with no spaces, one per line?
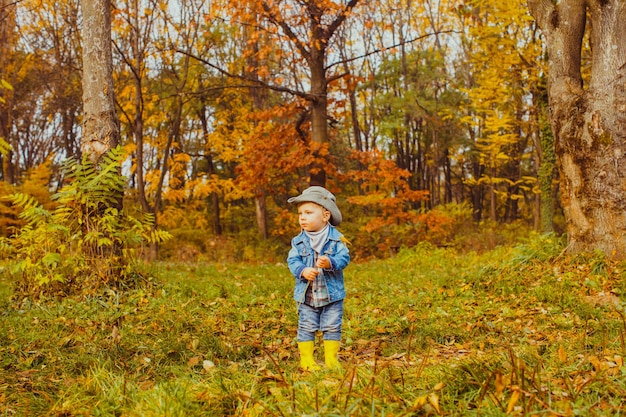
{"x":302,"y":256}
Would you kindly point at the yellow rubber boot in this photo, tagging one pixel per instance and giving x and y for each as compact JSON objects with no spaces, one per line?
{"x":307,"y":361}
{"x":331,"y":348}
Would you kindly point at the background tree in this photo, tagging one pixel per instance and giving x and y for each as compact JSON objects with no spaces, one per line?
{"x":588,"y":118}
{"x":431,"y":107}
{"x":499,"y":47}
{"x":134,"y":37}
{"x":308,"y":27}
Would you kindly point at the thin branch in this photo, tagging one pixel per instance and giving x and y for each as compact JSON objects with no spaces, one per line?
{"x":202,"y":91}
{"x":15,"y":3}
{"x":306,"y":96}
{"x":290,"y":34}
{"x":377,"y":51}
{"x":125,"y":59}
{"x":4,"y":16}
{"x":340,"y":19}
{"x":336,"y":77}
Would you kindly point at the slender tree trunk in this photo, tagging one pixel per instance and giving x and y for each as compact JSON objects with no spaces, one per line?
{"x":8,"y":166}
{"x":100,"y":132}
{"x":7,"y":38}
{"x":477,"y":193}
{"x":354,"y":117}
{"x":214,"y":197}
{"x":173,"y":136}
{"x":319,"y":114}
{"x":589,"y":124}
{"x":448,"y":175}
{"x":261,"y":212}
{"x":546,"y":160}
{"x":492,"y":197}
{"x":215,"y":204}
{"x":137,"y":70}
{"x":259,"y":102}
{"x":69,"y":135}
{"x":100,"y":125}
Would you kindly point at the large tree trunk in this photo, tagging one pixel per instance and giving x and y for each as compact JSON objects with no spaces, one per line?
{"x":589,"y":123}
{"x":100,"y":125}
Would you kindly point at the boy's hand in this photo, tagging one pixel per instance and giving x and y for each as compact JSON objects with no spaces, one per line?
{"x":323,"y":262}
{"x":309,"y":274}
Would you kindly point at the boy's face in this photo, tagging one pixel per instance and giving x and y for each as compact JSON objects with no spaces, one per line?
{"x":312,"y":217}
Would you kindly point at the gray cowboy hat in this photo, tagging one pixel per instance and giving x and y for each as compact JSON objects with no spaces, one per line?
{"x":323,"y":197}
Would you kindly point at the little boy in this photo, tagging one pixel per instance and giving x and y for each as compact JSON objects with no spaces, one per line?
{"x":317,"y":259}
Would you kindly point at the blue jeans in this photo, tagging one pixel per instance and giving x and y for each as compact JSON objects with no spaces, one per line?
{"x":327,"y":319}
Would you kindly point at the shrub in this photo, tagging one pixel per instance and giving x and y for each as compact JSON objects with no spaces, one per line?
{"x":86,"y":241}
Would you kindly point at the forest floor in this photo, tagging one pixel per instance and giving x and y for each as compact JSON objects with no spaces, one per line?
{"x":515,"y":331}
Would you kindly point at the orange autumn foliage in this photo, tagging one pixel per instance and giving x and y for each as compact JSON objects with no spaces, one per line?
{"x":395,"y":214}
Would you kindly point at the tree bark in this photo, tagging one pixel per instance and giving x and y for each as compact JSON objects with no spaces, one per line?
{"x":260,"y":206}
{"x":214,"y":198}
{"x":589,"y":122}
{"x":259,"y":103}
{"x":546,"y":160}
{"x":137,"y":68}
{"x":100,"y":125}
{"x":7,"y":40}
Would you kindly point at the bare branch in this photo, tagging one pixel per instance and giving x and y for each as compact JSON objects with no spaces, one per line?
{"x":340,"y":19}
{"x":6,"y":6}
{"x":336,"y":77}
{"x":285,"y":27}
{"x":15,"y":3}
{"x":306,"y":96}
{"x":377,"y":51}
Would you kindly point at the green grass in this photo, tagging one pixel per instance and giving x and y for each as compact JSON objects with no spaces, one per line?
{"x":523,"y":330}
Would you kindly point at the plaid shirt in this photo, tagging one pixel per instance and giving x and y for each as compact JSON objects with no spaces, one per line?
{"x":316,"y":293}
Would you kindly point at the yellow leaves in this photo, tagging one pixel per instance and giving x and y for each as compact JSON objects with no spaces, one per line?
{"x":562,"y":354}
{"x":201,"y":188}
{"x":193,"y":361}
{"x":611,"y":365}
{"x":5,"y":85}
{"x":499,"y":383}
{"x":513,"y":400}
{"x":429,"y":403}
{"x":498,"y":57}
{"x":174,"y":195}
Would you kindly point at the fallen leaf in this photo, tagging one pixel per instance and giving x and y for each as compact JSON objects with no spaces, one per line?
{"x":420,"y":402}
{"x":433,"y":400}
{"x":562,"y":354}
{"x":512,"y":401}
{"x":193,"y":361}
{"x":499,"y":383}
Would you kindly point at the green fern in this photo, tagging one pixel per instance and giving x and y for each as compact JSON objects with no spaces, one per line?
{"x":86,"y":241}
